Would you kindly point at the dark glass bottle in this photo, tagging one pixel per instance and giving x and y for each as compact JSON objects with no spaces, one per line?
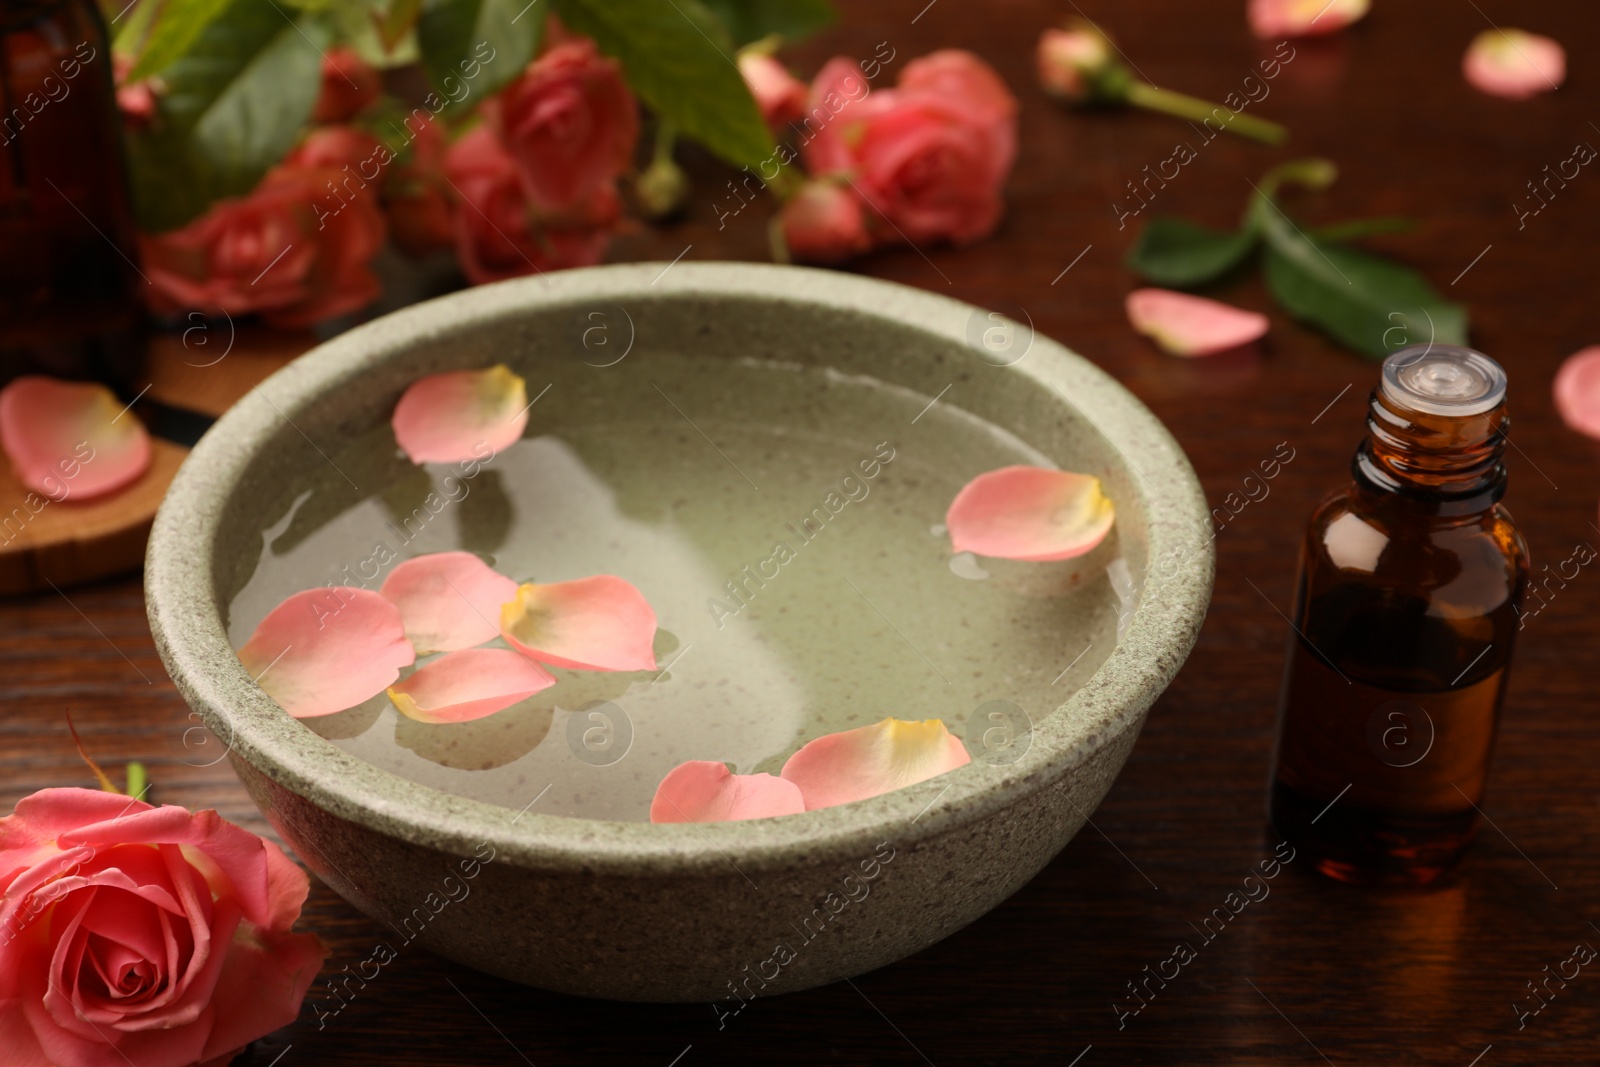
{"x":1411,"y":580}
{"x":69,"y":300}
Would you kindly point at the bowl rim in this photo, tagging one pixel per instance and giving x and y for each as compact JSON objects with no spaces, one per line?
{"x":186,"y":619}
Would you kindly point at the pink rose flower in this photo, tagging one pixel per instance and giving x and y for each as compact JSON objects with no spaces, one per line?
{"x":416,"y":196}
{"x":569,"y":122}
{"x":824,"y":223}
{"x":136,"y":934}
{"x":780,"y":95}
{"x":500,"y":233}
{"x":296,"y":250}
{"x":349,"y":84}
{"x":931,"y":154}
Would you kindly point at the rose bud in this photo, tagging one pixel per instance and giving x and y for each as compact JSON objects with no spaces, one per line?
{"x":136,"y":100}
{"x":663,"y":188}
{"x":1075,"y":65}
{"x":824,"y":223}
{"x":780,"y":95}
{"x":349,"y":84}
{"x":1072,"y":63}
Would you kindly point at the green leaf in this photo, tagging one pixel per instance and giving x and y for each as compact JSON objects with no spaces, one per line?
{"x":1364,"y":302}
{"x":397,"y":20}
{"x":382,"y":34}
{"x":135,"y":29}
{"x":177,"y":26}
{"x":494,"y":38}
{"x":234,"y":106}
{"x":751,"y":20}
{"x":679,"y":60}
{"x":1174,"y":252}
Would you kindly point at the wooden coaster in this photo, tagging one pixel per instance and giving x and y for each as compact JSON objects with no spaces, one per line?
{"x":72,"y":542}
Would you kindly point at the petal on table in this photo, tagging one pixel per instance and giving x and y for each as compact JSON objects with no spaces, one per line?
{"x":592,"y":624}
{"x":1185,"y":325}
{"x":1514,"y":63}
{"x":1577,"y":391}
{"x":70,"y":440}
{"x":448,"y":600}
{"x":325,"y":650}
{"x":706,"y":791}
{"x":461,"y":415}
{"x":469,"y":684}
{"x":872,"y":760}
{"x":1303,"y":18}
{"x":1030,"y":513}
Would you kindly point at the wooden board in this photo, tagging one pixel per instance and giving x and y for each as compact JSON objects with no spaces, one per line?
{"x":72,"y":542}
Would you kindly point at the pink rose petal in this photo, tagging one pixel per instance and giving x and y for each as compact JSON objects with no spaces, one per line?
{"x":1514,"y":64}
{"x":960,"y":79}
{"x":261,"y":990}
{"x":325,"y":650}
{"x":1303,"y":18}
{"x":452,"y":417}
{"x":468,"y":685}
{"x":1185,"y":325}
{"x":592,"y":624}
{"x":1030,"y":513}
{"x":706,"y":791}
{"x":448,"y":600}
{"x":1577,"y":391}
{"x":872,"y":760}
{"x":70,"y":440}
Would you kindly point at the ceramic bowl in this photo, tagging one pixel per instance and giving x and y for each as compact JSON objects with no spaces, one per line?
{"x":711,"y":912}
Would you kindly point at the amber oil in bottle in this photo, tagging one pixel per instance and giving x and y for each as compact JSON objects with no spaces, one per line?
{"x":1411,"y":579}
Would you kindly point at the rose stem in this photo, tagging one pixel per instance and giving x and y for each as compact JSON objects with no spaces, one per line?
{"x":1190,"y":107}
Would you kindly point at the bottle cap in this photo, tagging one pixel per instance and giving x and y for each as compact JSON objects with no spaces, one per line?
{"x":1443,"y":380}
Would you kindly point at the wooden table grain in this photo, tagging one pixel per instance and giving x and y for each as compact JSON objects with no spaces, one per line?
{"x":1314,"y":972}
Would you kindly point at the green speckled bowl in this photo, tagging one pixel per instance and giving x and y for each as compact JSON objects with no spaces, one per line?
{"x":683,"y":912}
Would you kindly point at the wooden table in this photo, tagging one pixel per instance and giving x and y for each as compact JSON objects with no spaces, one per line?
{"x":1314,"y":972}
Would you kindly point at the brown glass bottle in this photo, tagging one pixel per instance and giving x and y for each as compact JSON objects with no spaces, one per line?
{"x":1411,"y":579}
{"x":69,"y":300}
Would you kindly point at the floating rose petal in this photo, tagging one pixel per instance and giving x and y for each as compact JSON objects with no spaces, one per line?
{"x":706,"y":791}
{"x":1577,"y":391}
{"x":448,"y":600}
{"x":1514,"y":63}
{"x":448,"y":418}
{"x":866,"y":762}
{"x":70,"y":440}
{"x":1029,"y":513}
{"x":468,"y":685}
{"x":1303,"y":18}
{"x":592,"y":624}
{"x":325,"y":650}
{"x":1185,"y":325}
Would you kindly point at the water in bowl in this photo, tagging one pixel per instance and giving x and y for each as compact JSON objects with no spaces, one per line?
{"x":785,"y":523}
